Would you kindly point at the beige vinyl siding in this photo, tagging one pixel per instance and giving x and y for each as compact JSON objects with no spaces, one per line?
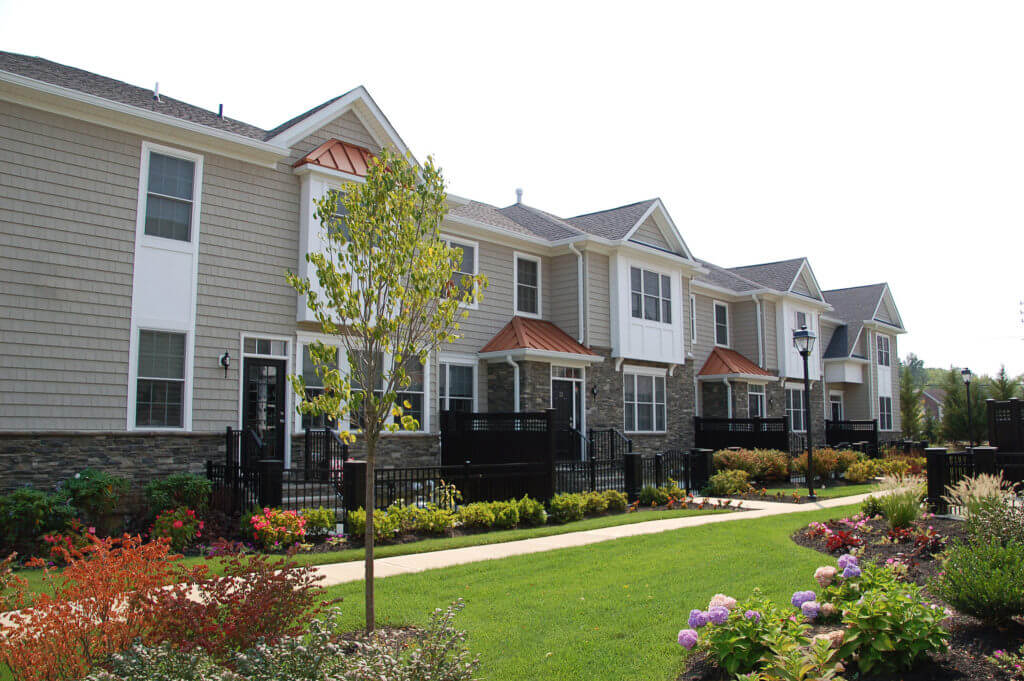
{"x":495,"y":310}
{"x":861,"y":347}
{"x":649,"y":233}
{"x":68,"y":194}
{"x":564,"y":301}
{"x":743,"y":329}
{"x":825,"y":331}
{"x":598,"y":303}
{"x":897,"y":423}
{"x":800,"y":286}
{"x":705,"y":330}
{"x":856,"y":400}
{"x":884,"y":314}
{"x":771,"y":341}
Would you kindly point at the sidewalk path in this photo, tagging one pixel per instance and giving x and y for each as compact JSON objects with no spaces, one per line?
{"x":340,"y":573}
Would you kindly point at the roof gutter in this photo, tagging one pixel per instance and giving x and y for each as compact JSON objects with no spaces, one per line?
{"x":579,"y":289}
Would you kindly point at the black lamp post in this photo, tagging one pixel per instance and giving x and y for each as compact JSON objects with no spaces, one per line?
{"x":965,"y":373}
{"x":803,"y":341}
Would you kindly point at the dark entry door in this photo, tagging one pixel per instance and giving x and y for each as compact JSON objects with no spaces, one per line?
{"x":263,"y":402}
{"x":566,"y":401}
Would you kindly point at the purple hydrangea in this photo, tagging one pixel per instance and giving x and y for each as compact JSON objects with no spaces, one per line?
{"x":851,"y":571}
{"x":752,"y":615}
{"x":801,"y":597}
{"x":697,"y":619}
{"x":810,"y":609}
{"x":847,"y":560}
{"x":718,"y":614}
{"x":687,"y":638}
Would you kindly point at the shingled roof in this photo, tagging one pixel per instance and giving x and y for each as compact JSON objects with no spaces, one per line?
{"x":614,"y":223}
{"x":721,"y":277}
{"x":853,"y":306}
{"x":544,"y":225}
{"x":778,"y":276}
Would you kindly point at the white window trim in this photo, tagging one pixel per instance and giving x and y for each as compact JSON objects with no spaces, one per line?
{"x":714,"y":323}
{"x":516,"y":257}
{"x":842,"y":404}
{"x":892,"y":416}
{"x":143,"y":321}
{"x":803,"y":408}
{"x":693,"y":319}
{"x":449,"y":238}
{"x":654,"y":372}
{"x":761,"y":391}
{"x":460,"y":360}
{"x":878,"y":349}
{"x":301,"y":341}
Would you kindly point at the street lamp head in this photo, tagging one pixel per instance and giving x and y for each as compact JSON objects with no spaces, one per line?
{"x":965,"y":374}
{"x":803,"y":340}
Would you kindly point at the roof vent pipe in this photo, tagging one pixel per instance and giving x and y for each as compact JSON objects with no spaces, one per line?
{"x":220,"y":111}
{"x":519,"y":195}
{"x":156,"y":92}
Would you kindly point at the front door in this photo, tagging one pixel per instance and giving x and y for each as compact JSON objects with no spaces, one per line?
{"x":566,"y":400}
{"x":837,"y":407}
{"x":263,"y":402}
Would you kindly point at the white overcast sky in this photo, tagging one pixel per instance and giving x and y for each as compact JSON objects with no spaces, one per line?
{"x":882,"y":140}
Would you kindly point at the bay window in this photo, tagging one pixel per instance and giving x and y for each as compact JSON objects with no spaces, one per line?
{"x":650,"y":295}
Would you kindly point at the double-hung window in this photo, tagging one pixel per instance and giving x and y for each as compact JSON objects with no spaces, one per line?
{"x":721,"y":324}
{"x":883,"y":350}
{"x":527,"y":285}
{"x":160,"y":387}
{"x":885,"y":413}
{"x":650,"y":295}
{"x":314,"y":386}
{"x":795,"y":410}
{"x":169,"y":197}
{"x":755,"y":401}
{"x":467,"y":264}
{"x":455,"y":387}
{"x":644,"y":403}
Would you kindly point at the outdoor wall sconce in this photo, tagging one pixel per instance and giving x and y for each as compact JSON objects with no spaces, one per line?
{"x":225,"y":361}
{"x":593,"y":391}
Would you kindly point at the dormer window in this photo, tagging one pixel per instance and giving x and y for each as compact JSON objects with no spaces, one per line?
{"x":650,"y":295}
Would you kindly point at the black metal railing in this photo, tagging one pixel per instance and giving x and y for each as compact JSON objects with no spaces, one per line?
{"x":323,"y":452}
{"x":423,"y":485}
{"x":607,"y":443}
{"x":863,"y":433}
{"x":242,"y":447}
{"x":592,"y":475}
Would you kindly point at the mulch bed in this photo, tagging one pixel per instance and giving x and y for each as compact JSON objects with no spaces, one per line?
{"x":970,"y":640}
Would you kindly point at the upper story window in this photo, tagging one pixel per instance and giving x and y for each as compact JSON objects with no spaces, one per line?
{"x":883,"y":351}
{"x":338,"y":224}
{"x":693,"y":319}
{"x":650,"y":295}
{"x":169,"y":197}
{"x":527,"y":285}
{"x":160,"y":383}
{"x":721,"y":324}
{"x":467,"y":266}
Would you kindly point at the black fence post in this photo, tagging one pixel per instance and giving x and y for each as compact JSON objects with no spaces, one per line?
{"x":632,"y":474}
{"x":353,"y":476}
{"x":550,"y":454}
{"x":227,"y":446}
{"x":984,"y":460}
{"x":937,"y":476}
{"x":593,"y":474}
{"x":701,"y":463}
{"x":271,"y":478}
{"x":659,"y":470}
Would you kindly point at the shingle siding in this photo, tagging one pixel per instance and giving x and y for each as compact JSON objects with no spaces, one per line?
{"x":564,"y":299}
{"x":743,"y":328}
{"x":598,"y":303}
{"x":649,"y":233}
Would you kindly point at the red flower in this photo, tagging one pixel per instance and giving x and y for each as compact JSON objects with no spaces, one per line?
{"x":178,"y":524}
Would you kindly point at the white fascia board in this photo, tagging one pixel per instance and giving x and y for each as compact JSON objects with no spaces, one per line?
{"x":544,"y":355}
{"x":328,"y":173}
{"x":125,"y":117}
{"x":749,"y":378}
{"x":855,"y":360}
{"x":804,"y":300}
{"x":883,"y":327}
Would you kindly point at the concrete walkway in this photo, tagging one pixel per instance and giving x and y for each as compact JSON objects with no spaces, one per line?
{"x":340,"y":573}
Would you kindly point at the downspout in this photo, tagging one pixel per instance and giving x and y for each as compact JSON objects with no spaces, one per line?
{"x":515,"y":380}
{"x":760,"y":335}
{"x":579,"y":289}
{"x":728,"y":397}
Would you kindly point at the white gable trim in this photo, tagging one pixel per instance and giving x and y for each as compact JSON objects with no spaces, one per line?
{"x":805,"y":267}
{"x":365,"y":109}
{"x":672,"y":234}
{"x":886,"y":293}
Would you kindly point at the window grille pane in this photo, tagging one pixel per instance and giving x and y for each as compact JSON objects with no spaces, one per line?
{"x":416,"y":400}
{"x":250,"y":345}
{"x":659,"y":414}
{"x":630,"y":383}
{"x":527,"y":299}
{"x":309,"y":373}
{"x":171,"y":176}
{"x":634,"y":279}
{"x":666,"y":311}
{"x":645,"y":389}
{"x":527,"y":272}
{"x":651,"y":308}
{"x":659,"y":390}
{"x":666,"y":287}
{"x":630,"y":416}
{"x":644,"y":416}
{"x":168,"y":218}
{"x":159,"y":403}
{"x":461,"y":384}
{"x":650,"y":283}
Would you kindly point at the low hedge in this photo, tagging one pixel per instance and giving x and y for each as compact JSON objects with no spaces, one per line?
{"x":758,"y":464}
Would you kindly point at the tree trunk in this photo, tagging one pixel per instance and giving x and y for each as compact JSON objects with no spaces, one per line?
{"x":371,"y":449}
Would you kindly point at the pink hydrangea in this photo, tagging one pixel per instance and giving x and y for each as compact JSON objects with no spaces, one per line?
{"x":825,"y":575}
{"x":828,"y":610}
{"x":723,"y":601}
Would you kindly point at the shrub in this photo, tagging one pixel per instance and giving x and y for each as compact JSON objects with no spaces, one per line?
{"x":506,"y":514}
{"x":891,"y":629}
{"x":826,"y":462}
{"x":433,"y":520}
{"x":531,"y":512}
{"x":972,"y":493}
{"x":385,"y":525}
{"x":319,"y":521}
{"x":257,"y":598}
{"x":653,"y":496}
{"x":859,"y":472}
{"x":479,"y":515}
{"x":871,"y":507}
{"x":984,"y":578}
{"x":759,"y":464}
{"x":997,"y":520}
{"x":595,"y":503}
{"x":96,"y":494}
{"x":896,"y":467}
{"x":567,"y":507}
{"x":180,"y":527}
{"x":618,"y":502}
{"x":846,"y":458}
{"x":27,"y":514}
{"x":95,"y":607}
{"x":726,"y":483}
{"x":275,"y":528}
{"x":175,"y":491}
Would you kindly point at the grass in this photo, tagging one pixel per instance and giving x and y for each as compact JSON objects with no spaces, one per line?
{"x":826,"y":492}
{"x":36,"y":584}
{"x":607,"y":611}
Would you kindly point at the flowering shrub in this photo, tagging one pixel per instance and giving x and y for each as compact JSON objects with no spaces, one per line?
{"x":76,"y":536}
{"x":180,"y":527}
{"x":1011,"y":664}
{"x":842,"y":540}
{"x":275,"y":528}
{"x":759,"y":464}
{"x":859,"y":472}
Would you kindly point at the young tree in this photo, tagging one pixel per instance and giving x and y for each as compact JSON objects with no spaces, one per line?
{"x":384,"y":289}
{"x":910,"y":404}
{"x":1002,"y":387}
{"x":954,"y":409}
{"x":917,"y":371}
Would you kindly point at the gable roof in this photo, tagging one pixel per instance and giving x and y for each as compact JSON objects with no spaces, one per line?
{"x":726,"y":362}
{"x":337,"y":155}
{"x":544,"y":225}
{"x":51,"y":72}
{"x":936,"y":395}
{"x":304,"y":115}
{"x":523,"y":333}
{"x":614,"y":223}
{"x":723,"y":278}
{"x":778,"y":276}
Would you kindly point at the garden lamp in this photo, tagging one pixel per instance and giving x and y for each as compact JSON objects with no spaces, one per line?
{"x":803,"y":341}
{"x":965,"y":374}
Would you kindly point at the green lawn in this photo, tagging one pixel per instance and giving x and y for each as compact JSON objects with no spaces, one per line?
{"x":607,"y":611}
{"x":36,"y":584}
{"x":826,"y":492}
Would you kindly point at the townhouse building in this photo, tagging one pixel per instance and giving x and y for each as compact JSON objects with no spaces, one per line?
{"x":145,"y":308}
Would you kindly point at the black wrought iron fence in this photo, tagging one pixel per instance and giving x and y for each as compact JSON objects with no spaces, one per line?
{"x":594,"y":475}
